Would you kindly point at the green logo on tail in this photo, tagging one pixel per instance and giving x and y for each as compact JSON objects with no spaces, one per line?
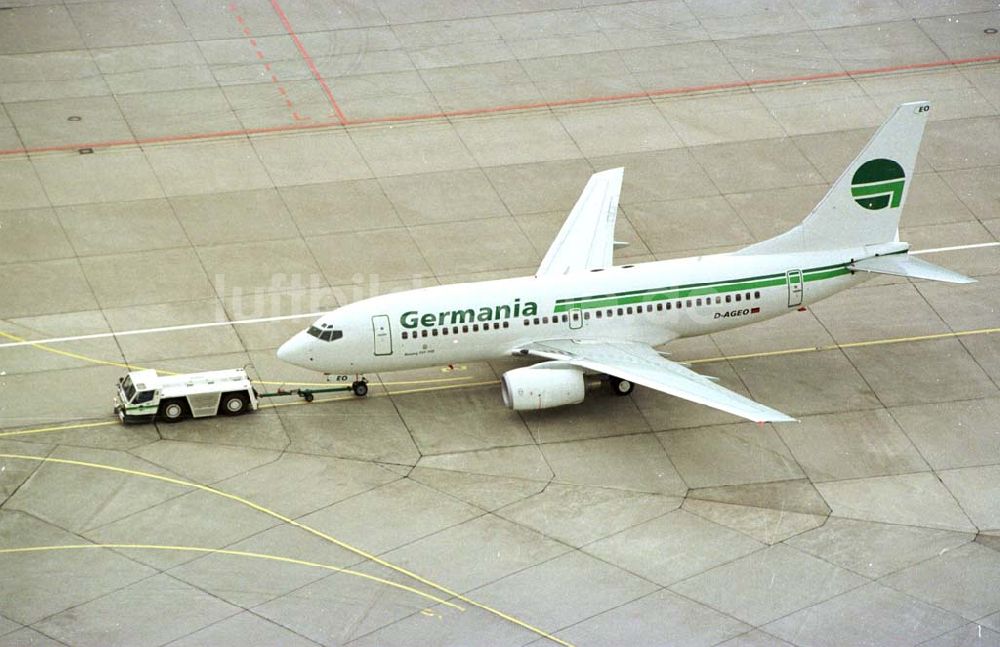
{"x":878,"y":184}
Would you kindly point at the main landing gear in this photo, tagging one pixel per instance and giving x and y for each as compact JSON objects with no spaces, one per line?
{"x":619,"y":386}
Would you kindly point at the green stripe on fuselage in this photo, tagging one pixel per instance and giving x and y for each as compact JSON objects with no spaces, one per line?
{"x":695,"y":289}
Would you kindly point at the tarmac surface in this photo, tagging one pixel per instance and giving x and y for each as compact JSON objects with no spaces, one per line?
{"x":170,"y":163}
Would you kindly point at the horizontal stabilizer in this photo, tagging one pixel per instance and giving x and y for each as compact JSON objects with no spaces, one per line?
{"x":905,"y":265}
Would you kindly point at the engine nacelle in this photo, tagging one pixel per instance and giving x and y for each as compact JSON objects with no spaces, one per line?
{"x":538,"y":387}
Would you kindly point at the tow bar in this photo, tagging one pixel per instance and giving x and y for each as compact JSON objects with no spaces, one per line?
{"x":359,"y":387}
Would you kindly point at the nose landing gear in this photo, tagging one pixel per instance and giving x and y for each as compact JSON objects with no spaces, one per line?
{"x":360,"y":387}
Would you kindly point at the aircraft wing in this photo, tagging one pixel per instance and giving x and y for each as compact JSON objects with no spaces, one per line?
{"x":641,"y":364}
{"x":586,"y":240}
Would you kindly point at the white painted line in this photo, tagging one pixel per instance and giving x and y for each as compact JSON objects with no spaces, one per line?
{"x":147,"y":331}
{"x":952,"y":249}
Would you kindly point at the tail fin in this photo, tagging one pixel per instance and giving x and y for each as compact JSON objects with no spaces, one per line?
{"x":864,"y":204}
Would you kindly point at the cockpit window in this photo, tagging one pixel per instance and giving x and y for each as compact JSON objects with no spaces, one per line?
{"x":325,"y":335}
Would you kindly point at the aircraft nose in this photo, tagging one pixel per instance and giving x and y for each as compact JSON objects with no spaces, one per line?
{"x":296,"y":351}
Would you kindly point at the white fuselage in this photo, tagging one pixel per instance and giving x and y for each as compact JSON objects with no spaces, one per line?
{"x":652,"y":303}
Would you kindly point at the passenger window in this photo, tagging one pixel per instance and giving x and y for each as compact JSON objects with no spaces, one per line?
{"x":506,"y":324}
{"x":536,"y":321}
{"x":718,"y":300}
{"x":454,"y":330}
{"x":621,"y":311}
{"x":680,"y":304}
{"x":628,"y":310}
{"x":545,"y":320}
{"x":527,"y":322}
{"x":610,"y":312}
{"x":475,"y":327}
{"x":465,"y":329}
{"x":586,"y":316}
{"x":688,"y":304}
{"x":667,"y":305}
{"x":434,"y":332}
{"x":738,"y":296}
{"x":729,"y":298}
{"x":444,"y":331}
{"x":423,"y":333}
{"x":756,"y":295}
{"x":405,"y":334}
{"x":748,"y":296}
{"x":697,"y":302}
{"x":598,"y":314}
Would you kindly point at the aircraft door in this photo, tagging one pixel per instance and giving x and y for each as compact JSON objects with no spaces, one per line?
{"x":383,"y":335}
{"x":795,"y":285}
{"x":575,"y":318}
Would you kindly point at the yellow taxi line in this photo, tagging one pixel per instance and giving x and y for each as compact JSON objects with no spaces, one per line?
{"x":235,"y":553}
{"x":292,"y":522}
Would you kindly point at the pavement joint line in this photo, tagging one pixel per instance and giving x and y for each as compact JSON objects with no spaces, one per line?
{"x":343,"y":122}
{"x":235,"y":553}
{"x":305,"y":315}
{"x":292,"y":522}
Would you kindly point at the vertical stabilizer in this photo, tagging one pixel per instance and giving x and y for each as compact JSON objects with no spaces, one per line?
{"x":864,"y":204}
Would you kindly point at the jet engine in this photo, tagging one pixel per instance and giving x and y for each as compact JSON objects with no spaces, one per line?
{"x":549,"y":384}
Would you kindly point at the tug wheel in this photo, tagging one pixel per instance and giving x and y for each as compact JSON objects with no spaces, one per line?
{"x":233,"y":404}
{"x":172,"y":411}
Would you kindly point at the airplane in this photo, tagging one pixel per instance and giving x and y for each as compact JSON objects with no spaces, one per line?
{"x":584,"y":316}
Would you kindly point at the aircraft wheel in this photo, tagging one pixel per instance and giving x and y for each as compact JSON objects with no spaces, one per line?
{"x":360,"y":388}
{"x":621,"y":387}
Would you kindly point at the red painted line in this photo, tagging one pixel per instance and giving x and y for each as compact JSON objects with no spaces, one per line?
{"x":309,"y":62}
{"x":166,"y":139}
